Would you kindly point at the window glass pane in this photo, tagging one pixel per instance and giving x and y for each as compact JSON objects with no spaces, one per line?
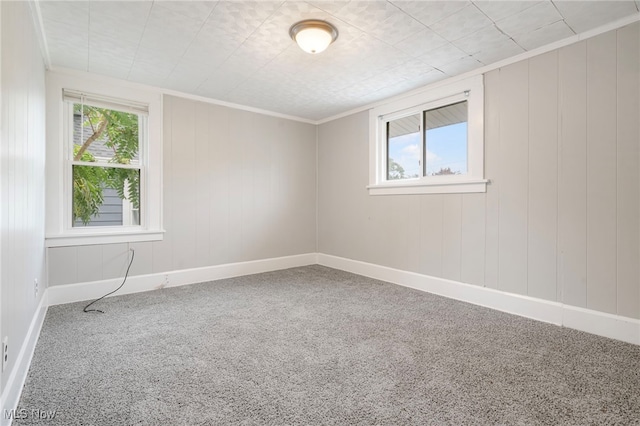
{"x":446,"y":140}
{"x":403,"y":148}
{"x":105,"y":196}
{"x":105,"y":135}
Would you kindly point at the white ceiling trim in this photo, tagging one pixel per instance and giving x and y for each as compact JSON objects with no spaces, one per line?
{"x":520,"y":57}
{"x":36,"y":14}
{"x":170,"y":92}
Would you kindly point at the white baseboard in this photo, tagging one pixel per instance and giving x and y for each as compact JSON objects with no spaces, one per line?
{"x":69,"y":293}
{"x":600,"y":323}
{"x":13,"y":389}
{"x":594,"y":322}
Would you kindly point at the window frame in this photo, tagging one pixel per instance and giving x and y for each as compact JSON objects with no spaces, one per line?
{"x":470,"y":89}
{"x":60,"y":231}
{"x":143,"y":166}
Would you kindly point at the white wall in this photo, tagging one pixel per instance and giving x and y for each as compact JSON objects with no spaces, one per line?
{"x":238,"y":186}
{"x":560,"y":220}
{"x":22,"y":151}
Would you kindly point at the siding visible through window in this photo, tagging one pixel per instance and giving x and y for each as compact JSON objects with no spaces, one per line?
{"x":110,"y":212}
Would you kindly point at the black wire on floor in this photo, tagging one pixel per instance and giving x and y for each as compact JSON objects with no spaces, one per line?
{"x":133,"y":254}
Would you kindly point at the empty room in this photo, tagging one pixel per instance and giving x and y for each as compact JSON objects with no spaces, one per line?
{"x":322,"y":212}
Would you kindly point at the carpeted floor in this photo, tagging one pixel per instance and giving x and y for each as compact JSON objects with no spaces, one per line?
{"x":316,"y":346}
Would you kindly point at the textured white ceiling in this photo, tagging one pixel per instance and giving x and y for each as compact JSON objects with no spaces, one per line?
{"x":241,"y":52}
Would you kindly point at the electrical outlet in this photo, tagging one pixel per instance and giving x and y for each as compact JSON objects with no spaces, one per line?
{"x":35,"y":287}
{"x":5,"y":352}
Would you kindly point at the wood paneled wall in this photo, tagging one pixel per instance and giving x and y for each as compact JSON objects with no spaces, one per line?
{"x":21,"y":176}
{"x":238,"y":186}
{"x":560,"y":220}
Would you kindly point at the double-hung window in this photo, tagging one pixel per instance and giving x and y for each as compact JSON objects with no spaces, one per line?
{"x":104,"y":166}
{"x":106,"y":142}
{"x":431,"y":142}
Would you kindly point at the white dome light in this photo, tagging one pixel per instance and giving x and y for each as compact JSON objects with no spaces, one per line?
{"x":313,"y":36}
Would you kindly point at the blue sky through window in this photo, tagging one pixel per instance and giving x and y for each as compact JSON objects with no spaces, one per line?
{"x":446,"y":148}
{"x":405,"y":150}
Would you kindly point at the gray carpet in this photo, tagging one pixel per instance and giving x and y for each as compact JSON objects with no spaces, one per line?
{"x":317,"y":346}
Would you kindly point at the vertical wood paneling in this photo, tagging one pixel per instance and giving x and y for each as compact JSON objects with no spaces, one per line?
{"x":219,"y":164}
{"x":89,"y":264}
{"x":143,"y":259}
{"x":22,"y":151}
{"x":387,"y":235}
{"x":326,"y":147}
{"x":451,"y":236}
{"x":628,"y":177}
{"x":163,"y":250}
{"x":543,"y":176}
{"x":248,"y":206}
{"x":303,"y":163}
{"x":373,"y":237}
{"x":387,"y":240}
{"x":288,"y":184}
{"x":277,"y":188}
{"x":203,"y":182}
{"x":601,"y":173}
{"x":339,"y":163}
{"x":115,"y":259}
{"x":307,"y":170}
{"x":373,"y":228}
{"x":514,"y":133}
{"x":63,"y":265}
{"x":238,"y":121}
{"x":412,"y":235}
{"x":236,"y":186}
{"x":572,"y":184}
{"x":252,"y":198}
{"x":186,"y":186}
{"x":431,"y":234}
{"x":492,"y":172}
{"x":297,"y":188}
{"x":473,"y":239}
{"x":402,"y":248}
{"x":260,"y":233}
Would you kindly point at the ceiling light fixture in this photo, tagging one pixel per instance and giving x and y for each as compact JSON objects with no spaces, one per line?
{"x":313,"y":36}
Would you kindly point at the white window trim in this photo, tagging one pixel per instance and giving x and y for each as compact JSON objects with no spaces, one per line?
{"x":443,"y":95}
{"x":59,"y":231}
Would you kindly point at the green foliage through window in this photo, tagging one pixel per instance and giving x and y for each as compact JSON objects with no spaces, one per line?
{"x":118,"y":132}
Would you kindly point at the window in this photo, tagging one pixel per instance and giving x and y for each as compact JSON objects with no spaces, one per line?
{"x":105,"y":166}
{"x":430,"y":142}
{"x":106,"y":162}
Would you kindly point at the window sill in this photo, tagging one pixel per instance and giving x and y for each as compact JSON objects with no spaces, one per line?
{"x":421,"y":187}
{"x":104,"y":236}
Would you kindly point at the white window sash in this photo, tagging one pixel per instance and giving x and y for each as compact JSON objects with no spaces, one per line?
{"x":472,"y":91}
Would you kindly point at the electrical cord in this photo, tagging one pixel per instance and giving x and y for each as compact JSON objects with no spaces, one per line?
{"x":133,"y":254}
